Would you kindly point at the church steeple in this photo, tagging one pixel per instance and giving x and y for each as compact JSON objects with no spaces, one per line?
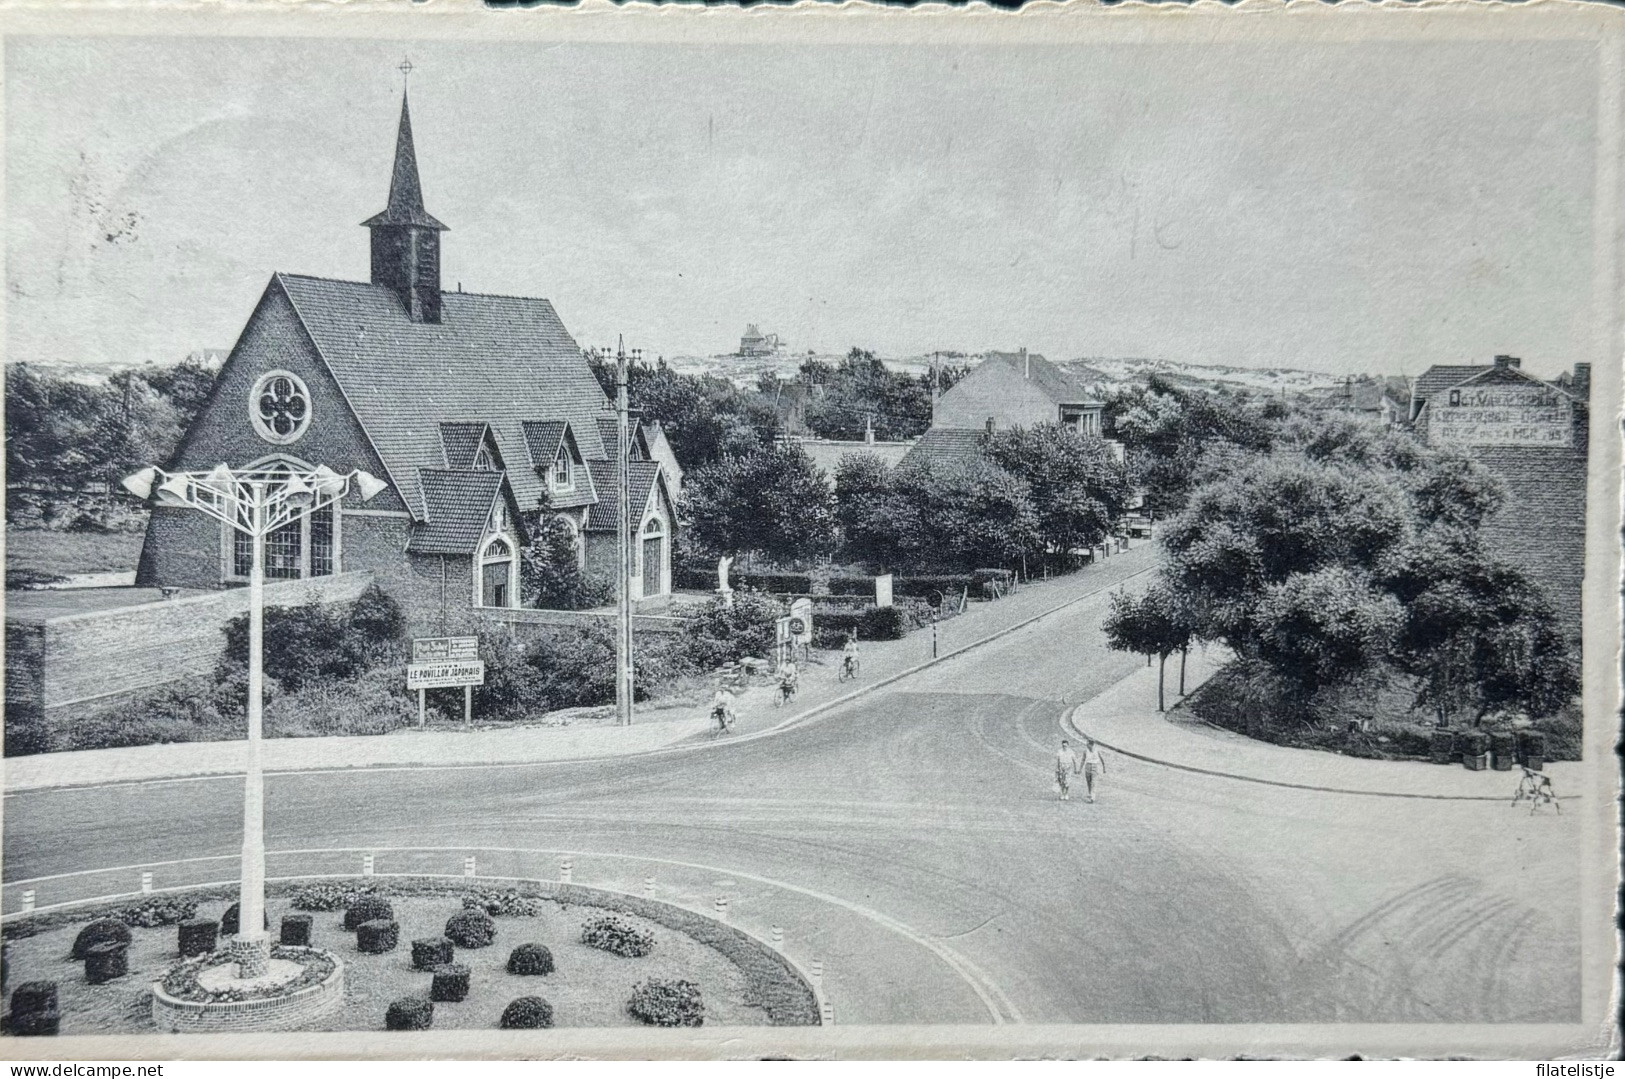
{"x":405,"y":238}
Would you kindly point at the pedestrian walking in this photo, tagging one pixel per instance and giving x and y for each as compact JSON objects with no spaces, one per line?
{"x":1094,"y":766}
{"x":1066,"y":766}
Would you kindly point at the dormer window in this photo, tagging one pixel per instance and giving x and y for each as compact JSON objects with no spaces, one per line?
{"x":561,"y":477}
{"x":483,"y":461}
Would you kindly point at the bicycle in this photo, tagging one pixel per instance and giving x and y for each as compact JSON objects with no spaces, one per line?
{"x":1538,"y":789}
{"x":786,"y":693}
{"x":725,"y":722}
{"x":849,"y":669}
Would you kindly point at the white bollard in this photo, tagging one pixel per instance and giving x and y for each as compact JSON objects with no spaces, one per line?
{"x":468,"y":866}
{"x":829,"y":1014}
{"x":649,"y":887}
{"x":722,"y":908}
{"x":567,"y":868}
{"x":366,"y":865}
{"x":818,"y":971}
{"x":146,"y":883}
{"x":28,"y":899}
{"x":778,"y":938}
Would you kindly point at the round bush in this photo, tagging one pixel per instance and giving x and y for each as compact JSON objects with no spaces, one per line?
{"x":377,"y":937}
{"x":617,"y":936}
{"x":530,"y":959}
{"x":449,"y":983}
{"x":106,"y":961}
{"x":368,"y":908}
{"x":471,"y":929}
{"x":431,"y":952}
{"x":228,"y":921}
{"x":99,"y":932}
{"x":527,"y":1013}
{"x":667,"y":1004}
{"x":409,"y":1013}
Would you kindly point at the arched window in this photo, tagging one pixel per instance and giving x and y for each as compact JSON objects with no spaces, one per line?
{"x":306,"y":547}
{"x":652,"y":555}
{"x":495,"y":569}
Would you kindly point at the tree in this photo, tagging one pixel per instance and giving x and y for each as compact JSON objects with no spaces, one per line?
{"x":771,"y":502}
{"x":1078,"y":489}
{"x":864,"y":509}
{"x":704,"y":417}
{"x":550,"y":573}
{"x":1478,"y":633}
{"x":861,"y":390}
{"x":1322,"y":628}
{"x":1153,"y":623}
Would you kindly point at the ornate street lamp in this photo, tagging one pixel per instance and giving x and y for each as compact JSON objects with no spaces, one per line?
{"x":255,"y":502}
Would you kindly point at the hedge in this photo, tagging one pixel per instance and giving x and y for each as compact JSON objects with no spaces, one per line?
{"x":409,"y":1013}
{"x":830,"y":629}
{"x":704,"y":579}
{"x":101,"y":931}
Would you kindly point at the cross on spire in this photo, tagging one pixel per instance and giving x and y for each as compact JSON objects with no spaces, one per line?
{"x":405,"y":68}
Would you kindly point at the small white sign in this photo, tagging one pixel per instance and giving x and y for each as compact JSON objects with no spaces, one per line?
{"x":883,"y":590}
{"x":441,"y":649}
{"x":445,"y":673}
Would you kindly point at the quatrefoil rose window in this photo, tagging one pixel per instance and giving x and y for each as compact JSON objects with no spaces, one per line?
{"x":279,"y":407}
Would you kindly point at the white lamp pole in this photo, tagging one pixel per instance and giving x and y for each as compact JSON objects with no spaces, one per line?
{"x":256,"y":503}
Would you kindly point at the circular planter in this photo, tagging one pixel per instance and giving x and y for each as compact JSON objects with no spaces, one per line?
{"x":286,"y":1011}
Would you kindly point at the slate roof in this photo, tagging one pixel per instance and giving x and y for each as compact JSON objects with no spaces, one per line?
{"x":542,"y":438}
{"x":957,"y":443}
{"x":405,"y":189}
{"x":460,"y":442}
{"x":1060,"y":386}
{"x":1443,"y":376}
{"x":505,"y":359}
{"x":459,"y":503}
{"x":641,"y":479}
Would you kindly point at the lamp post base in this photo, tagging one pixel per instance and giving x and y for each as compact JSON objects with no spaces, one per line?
{"x":252,"y":954}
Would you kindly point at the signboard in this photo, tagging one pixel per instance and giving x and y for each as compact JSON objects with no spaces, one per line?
{"x":1501,"y":415}
{"x":784,"y":633}
{"x":443,"y":673}
{"x":801,"y":622}
{"x":440,"y":649}
{"x":883,"y":590}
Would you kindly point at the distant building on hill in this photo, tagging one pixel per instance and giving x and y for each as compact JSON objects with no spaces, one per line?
{"x":1534,"y":436}
{"x":755,"y":345}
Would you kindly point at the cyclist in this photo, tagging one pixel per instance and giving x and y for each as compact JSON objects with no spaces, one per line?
{"x":788,"y":676}
{"x":722,"y":710}
{"x":849,"y":657}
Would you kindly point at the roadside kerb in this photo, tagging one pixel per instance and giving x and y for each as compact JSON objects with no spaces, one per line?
{"x":1070,"y":722}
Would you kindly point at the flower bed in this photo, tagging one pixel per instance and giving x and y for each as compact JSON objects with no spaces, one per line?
{"x":182,"y":980}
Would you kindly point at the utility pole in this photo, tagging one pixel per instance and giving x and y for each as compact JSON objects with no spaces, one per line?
{"x":623,"y":492}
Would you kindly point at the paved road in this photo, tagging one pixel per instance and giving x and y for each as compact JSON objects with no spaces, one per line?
{"x":913,"y":844}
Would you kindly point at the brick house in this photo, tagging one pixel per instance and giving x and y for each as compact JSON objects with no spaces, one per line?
{"x":478,"y":410}
{"x":1005,"y":390}
{"x":1534,"y":436}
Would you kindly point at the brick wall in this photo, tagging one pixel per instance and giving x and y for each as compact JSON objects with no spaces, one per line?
{"x":84,"y":660}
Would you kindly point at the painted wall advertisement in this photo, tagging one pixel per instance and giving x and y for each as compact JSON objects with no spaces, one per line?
{"x":1502,"y":415}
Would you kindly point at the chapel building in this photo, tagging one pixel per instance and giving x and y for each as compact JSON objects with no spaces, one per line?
{"x":479,"y":411}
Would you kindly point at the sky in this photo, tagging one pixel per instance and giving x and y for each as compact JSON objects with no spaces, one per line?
{"x":1336,"y":207}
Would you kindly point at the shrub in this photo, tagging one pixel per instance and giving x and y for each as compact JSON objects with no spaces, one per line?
{"x":431,"y":952}
{"x":884,"y":624}
{"x":296,"y":930}
{"x":409,"y":1013}
{"x":186,"y":711}
{"x":530,"y":959}
{"x":159,"y":910}
{"x":98,"y":932}
{"x":527,"y":1013}
{"x":228,"y":921}
{"x":374,"y":702}
{"x":852,"y":585}
{"x":34,"y":1010}
{"x":950,"y":585}
{"x":617,"y":936}
{"x":719,"y":634}
{"x":367,"y":908}
{"x":471,"y":929}
{"x":319,"y":642}
{"x":105,"y":961}
{"x":327,"y":896}
{"x":199,"y":937}
{"x":508,"y":903}
{"x":377,"y":937}
{"x":667,"y":1003}
{"x":512,"y":687}
{"x":449,"y":983}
